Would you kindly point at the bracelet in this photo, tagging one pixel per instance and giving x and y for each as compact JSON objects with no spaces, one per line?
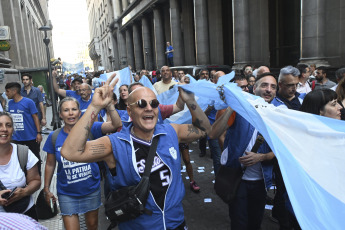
{"x":40,"y":132}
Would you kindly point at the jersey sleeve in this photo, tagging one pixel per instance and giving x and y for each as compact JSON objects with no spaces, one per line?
{"x":40,"y":97}
{"x":48,"y":146}
{"x":32,"y":106}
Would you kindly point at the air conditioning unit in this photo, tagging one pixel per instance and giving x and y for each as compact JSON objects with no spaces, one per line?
{"x":5,"y":33}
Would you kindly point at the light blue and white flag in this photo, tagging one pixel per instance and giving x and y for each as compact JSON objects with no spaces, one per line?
{"x":124,"y":75}
{"x":73,"y":68}
{"x":147,"y":83}
{"x":310,"y":152}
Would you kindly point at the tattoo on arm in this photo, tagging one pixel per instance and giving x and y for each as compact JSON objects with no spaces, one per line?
{"x":97,"y":149}
{"x":192,"y":129}
{"x":192,"y":106}
{"x":197,"y":123}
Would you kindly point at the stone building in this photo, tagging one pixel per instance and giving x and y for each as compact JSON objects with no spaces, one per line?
{"x":266,"y":32}
{"x":100,"y":15}
{"x":24,"y":17}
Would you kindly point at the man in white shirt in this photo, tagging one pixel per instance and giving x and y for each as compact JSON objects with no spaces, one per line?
{"x":166,"y":81}
{"x":303,"y":85}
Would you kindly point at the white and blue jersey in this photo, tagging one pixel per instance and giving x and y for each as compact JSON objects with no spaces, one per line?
{"x":74,"y":178}
{"x":24,"y":125}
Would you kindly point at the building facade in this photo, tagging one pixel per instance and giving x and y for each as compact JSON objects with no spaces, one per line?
{"x":100,"y":14}
{"x":24,"y":17}
{"x":266,"y":32}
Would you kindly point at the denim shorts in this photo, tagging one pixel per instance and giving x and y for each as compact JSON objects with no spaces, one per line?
{"x":70,"y":205}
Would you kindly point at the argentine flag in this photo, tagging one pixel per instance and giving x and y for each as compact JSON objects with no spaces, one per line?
{"x":310,"y":152}
{"x":124,"y":75}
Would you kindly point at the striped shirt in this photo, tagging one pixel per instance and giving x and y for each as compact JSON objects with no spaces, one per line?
{"x":15,"y":221}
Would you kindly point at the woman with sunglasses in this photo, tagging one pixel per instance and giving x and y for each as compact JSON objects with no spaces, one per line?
{"x":78,"y":184}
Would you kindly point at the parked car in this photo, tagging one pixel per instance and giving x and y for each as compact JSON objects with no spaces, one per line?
{"x":194,"y":70}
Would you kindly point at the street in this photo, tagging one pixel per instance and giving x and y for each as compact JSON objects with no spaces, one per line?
{"x":203,"y":210}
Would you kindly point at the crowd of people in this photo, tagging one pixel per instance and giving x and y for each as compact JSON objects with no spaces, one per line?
{"x":103,"y":134}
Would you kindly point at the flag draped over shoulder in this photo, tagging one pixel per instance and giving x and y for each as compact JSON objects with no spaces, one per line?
{"x":310,"y":152}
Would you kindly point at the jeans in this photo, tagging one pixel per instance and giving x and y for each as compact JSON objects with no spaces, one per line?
{"x":247,"y":210}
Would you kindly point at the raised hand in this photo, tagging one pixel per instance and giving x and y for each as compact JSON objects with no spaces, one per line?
{"x":103,"y":95}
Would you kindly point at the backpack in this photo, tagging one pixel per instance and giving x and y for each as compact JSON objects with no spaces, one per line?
{"x":22,"y":153}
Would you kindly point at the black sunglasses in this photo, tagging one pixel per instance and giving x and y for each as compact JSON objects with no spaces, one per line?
{"x":143,"y":103}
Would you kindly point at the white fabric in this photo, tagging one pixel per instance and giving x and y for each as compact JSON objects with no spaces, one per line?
{"x":11,"y":175}
{"x":253,"y":172}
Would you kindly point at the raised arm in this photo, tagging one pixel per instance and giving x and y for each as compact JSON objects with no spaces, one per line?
{"x":221,"y":124}
{"x":56,"y":87}
{"x":115,"y":123}
{"x":200,"y":126}
{"x":178,"y":106}
{"x":76,"y":147}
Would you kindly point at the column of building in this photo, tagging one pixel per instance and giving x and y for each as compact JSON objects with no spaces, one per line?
{"x":138,"y":47}
{"x":313,"y":35}
{"x":240,"y":12}
{"x":176,"y":33}
{"x":158,"y":38}
{"x":129,"y":46}
{"x":188,"y":32}
{"x":122,"y":49}
{"x":201,"y":32}
{"x":147,"y":47}
{"x":215,"y":26}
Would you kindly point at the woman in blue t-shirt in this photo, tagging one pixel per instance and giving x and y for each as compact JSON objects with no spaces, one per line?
{"x":78,"y":184}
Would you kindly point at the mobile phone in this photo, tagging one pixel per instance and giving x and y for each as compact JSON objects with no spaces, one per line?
{"x":51,"y":204}
{"x":10,"y":194}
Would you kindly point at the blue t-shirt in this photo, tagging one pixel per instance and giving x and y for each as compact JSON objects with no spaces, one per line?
{"x":71,"y":93}
{"x":169,"y":48}
{"x":74,"y":178}
{"x":35,"y":95}
{"x":24,"y":125}
{"x":84,"y":104}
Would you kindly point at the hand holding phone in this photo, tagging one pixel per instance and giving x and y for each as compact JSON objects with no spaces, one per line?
{"x":10,"y":194}
{"x":51,"y":204}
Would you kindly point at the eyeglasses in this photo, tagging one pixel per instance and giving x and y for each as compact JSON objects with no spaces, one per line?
{"x":244,"y":86}
{"x":143,"y":103}
{"x":83,"y":90}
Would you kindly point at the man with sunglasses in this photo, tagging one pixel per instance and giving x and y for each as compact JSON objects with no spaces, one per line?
{"x":287,"y":95}
{"x":128,"y":150}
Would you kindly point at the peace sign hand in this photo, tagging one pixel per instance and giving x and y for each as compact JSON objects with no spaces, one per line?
{"x":103,"y":95}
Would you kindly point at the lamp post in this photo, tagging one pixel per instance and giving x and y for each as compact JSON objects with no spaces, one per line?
{"x":56,"y":121}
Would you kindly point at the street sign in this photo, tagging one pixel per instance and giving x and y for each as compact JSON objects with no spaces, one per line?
{"x":5,"y":46}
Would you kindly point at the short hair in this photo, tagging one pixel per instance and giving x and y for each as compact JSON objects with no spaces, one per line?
{"x":302,"y":68}
{"x":4,"y":113}
{"x":340,"y":73}
{"x":78,"y":79}
{"x":264,"y":75}
{"x":27,"y":75}
{"x":68,"y":99}
{"x":244,"y":67}
{"x":316,"y":100}
{"x":323,"y":68}
{"x":238,"y":77}
{"x":134,"y":84}
{"x":180,"y":70}
{"x":14,"y":85}
{"x":287,"y":70}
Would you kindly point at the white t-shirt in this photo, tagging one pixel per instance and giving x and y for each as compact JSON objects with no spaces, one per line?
{"x":11,"y":175}
{"x":253,"y":172}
